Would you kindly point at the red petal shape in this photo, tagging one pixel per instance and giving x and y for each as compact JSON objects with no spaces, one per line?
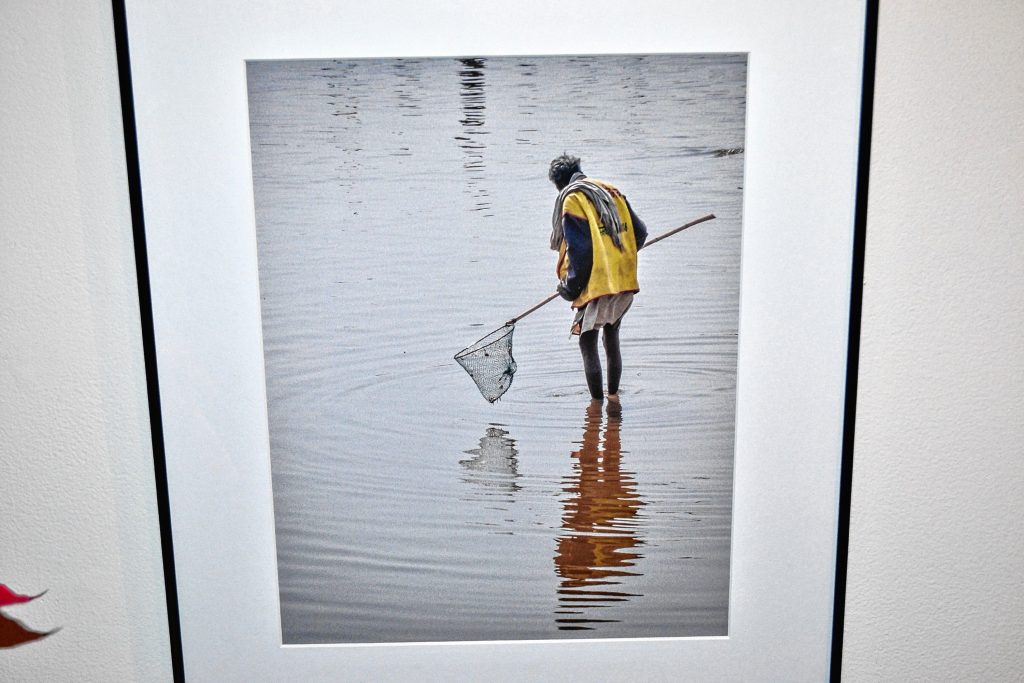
{"x":9,"y":597}
{"x":13,"y":632}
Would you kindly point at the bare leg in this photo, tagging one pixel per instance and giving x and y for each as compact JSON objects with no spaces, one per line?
{"x":611,"y":350}
{"x":591,"y":363}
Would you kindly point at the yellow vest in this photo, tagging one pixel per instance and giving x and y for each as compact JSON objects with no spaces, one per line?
{"x":614,"y":270}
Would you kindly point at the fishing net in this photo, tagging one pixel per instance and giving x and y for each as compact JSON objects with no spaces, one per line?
{"x":490,"y":363}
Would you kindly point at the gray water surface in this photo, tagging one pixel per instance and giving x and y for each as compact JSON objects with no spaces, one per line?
{"x":402,"y":212}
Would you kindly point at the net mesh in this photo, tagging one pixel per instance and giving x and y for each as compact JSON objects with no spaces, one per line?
{"x":490,"y":363}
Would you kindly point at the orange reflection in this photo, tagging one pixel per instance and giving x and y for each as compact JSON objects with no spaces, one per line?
{"x":596,"y":552}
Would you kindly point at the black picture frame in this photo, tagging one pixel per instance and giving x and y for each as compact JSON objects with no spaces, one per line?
{"x":122,"y":37}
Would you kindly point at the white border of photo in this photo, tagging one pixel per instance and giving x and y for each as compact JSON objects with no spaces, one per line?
{"x":803,"y":104}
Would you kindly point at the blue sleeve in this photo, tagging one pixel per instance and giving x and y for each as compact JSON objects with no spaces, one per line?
{"x":639,"y":228}
{"x":581,"y":256}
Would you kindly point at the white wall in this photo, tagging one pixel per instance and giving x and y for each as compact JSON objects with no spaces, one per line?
{"x":77,"y":502}
{"x":936,"y":556}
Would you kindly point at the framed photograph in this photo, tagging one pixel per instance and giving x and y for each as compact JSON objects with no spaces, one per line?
{"x":513,"y":342}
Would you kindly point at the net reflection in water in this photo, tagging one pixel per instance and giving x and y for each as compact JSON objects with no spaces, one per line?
{"x":493,"y":466}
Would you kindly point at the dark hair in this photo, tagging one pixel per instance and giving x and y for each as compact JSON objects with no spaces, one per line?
{"x":562,"y":169}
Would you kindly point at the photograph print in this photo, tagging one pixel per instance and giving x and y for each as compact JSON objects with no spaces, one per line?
{"x":571,"y":476}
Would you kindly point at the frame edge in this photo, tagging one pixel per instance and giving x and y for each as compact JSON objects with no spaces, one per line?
{"x":853,"y":342}
{"x":131,"y":150}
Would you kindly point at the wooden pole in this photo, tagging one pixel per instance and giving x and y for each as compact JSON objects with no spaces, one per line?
{"x":554,"y":296}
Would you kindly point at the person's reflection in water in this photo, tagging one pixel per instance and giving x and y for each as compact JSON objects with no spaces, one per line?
{"x":596,"y":552}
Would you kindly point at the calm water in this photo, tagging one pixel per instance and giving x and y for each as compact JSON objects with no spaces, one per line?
{"x":402,"y":212}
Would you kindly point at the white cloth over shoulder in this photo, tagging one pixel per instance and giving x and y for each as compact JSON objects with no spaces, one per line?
{"x":604,"y":310}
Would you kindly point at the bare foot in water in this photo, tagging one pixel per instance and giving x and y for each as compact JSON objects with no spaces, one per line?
{"x":614,"y":408}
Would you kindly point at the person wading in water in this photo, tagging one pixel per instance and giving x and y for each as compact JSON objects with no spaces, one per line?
{"x":597,"y":236}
